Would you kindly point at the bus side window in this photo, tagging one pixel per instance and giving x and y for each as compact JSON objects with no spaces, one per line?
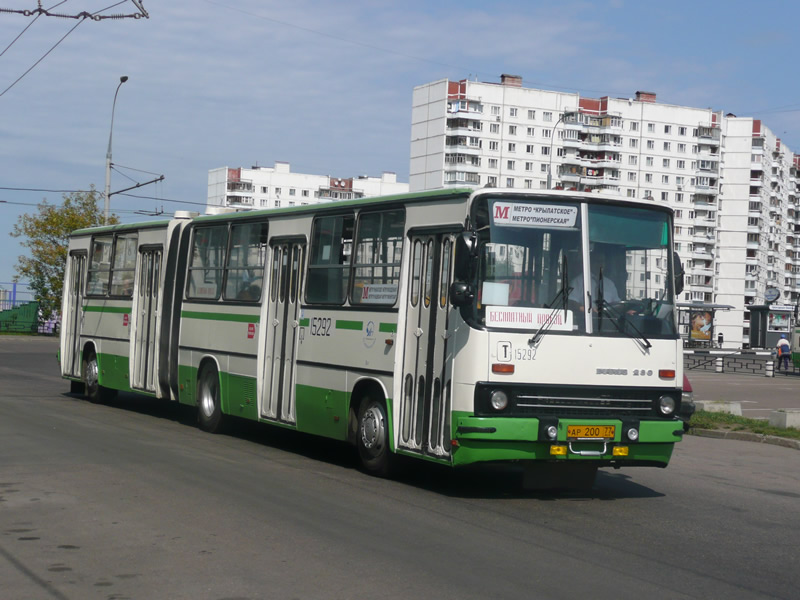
{"x":328,"y":268}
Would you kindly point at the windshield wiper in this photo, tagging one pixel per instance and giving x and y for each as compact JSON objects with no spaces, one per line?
{"x":614,"y":317}
{"x":563,"y":293}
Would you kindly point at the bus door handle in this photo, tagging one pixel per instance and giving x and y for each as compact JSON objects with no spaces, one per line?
{"x":418,"y":332}
{"x":589,"y":452}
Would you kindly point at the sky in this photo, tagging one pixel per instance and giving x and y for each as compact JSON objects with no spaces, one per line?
{"x":327,"y":86}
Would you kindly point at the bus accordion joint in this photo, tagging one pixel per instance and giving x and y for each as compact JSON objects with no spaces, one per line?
{"x":504,"y":368}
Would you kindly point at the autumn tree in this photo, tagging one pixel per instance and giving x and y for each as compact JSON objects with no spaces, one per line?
{"x":46,"y":236}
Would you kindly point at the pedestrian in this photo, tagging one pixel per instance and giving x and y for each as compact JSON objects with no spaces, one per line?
{"x":784,"y":351}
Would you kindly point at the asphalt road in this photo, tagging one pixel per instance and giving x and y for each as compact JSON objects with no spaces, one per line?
{"x":133,"y":501}
{"x":757,"y":394}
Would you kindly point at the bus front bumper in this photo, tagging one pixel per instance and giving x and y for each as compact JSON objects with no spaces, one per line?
{"x":608,"y":442}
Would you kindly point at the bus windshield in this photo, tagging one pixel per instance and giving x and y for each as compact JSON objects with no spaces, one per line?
{"x":532,"y":268}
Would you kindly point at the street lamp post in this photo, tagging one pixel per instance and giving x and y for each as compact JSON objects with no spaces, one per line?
{"x":122,"y":80}
{"x":552,"y":137}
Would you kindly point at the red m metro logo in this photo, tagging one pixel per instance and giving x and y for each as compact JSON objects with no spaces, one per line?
{"x":500,"y":212}
{"x":251,"y":331}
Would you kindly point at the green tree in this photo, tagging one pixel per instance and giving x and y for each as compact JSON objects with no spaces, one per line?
{"x":46,"y":235}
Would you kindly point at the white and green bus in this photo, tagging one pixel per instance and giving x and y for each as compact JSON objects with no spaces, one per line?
{"x":454,"y":326}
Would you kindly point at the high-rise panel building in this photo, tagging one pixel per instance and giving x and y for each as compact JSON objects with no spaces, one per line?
{"x":732,"y":183}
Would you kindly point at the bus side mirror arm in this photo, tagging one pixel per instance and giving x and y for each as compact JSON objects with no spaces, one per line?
{"x":679,"y":272}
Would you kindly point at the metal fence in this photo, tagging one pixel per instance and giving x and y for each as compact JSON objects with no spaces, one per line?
{"x":747,"y":362}
{"x":19,"y":311}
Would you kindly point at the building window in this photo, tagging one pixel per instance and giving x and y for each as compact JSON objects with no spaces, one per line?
{"x":682,"y":148}
{"x":263,"y":189}
{"x":667,"y":146}
{"x":681,"y":164}
{"x":528,"y":183}
{"x":492,"y":163}
{"x":678,"y":197}
{"x":530,"y":148}
{"x":648,"y":178}
{"x":495,"y":111}
{"x":512,"y":147}
{"x":531,"y":115}
{"x":631,"y":176}
{"x":547,"y":116}
{"x":494,"y":128}
{"x":561,"y":152}
{"x":634,"y":126}
{"x":543,"y":168}
{"x":512,"y":130}
{"x":494,"y":145}
{"x":545,"y":151}
{"x":668,"y":129}
{"x":665,"y":179}
{"x":665,"y":163}
{"x":651,"y":144}
{"x":511,"y":164}
{"x":633,"y":143}
{"x":648,"y":161}
{"x":531,"y":131}
{"x":512,"y":112}
{"x":681,"y":130}
{"x":633,"y":159}
{"x":510,"y":182}
{"x":651,"y":128}
{"x":491,"y":181}
{"x":529,"y":166}
{"x":664,"y":196}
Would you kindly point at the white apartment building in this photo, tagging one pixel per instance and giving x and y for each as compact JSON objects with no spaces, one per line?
{"x":276,"y":187}
{"x":732,"y":183}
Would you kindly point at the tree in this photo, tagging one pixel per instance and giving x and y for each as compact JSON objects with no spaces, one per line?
{"x":46,"y":235}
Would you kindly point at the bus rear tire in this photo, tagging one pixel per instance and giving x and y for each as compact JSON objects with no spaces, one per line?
{"x":209,"y":407}
{"x":372,"y":438}
{"x":94,"y":391}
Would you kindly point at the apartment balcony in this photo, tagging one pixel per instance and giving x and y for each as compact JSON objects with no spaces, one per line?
{"x":706,"y":189}
{"x":242,"y":186}
{"x":464,"y":130}
{"x":463,"y":148}
{"x":237,"y":201}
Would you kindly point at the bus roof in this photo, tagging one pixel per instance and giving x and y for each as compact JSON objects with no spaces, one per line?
{"x":377,"y":201}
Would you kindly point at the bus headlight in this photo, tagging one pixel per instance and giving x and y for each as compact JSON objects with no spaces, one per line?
{"x":499,"y":400}
{"x":552,"y":432}
{"x":666,"y":404}
{"x":633,"y":434}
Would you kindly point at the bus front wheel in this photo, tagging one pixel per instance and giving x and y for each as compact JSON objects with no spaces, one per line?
{"x":94,"y":391}
{"x":373,"y":438}
{"x":209,"y":408}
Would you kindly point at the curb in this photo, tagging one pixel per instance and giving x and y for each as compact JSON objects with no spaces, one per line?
{"x":746,"y":437}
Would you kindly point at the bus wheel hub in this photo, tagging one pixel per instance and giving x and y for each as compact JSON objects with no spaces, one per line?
{"x":372,"y":429}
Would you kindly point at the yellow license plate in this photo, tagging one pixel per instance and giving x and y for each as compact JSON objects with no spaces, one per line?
{"x":591,"y":432}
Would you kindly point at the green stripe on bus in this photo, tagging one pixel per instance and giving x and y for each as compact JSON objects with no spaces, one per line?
{"x":354,"y":325}
{"x":108,"y":309}
{"x":387,"y":327}
{"x":304,"y":322}
{"x":209,"y":316}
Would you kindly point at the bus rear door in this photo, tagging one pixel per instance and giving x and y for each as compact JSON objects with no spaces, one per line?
{"x":146,"y":316}
{"x":73,"y":316}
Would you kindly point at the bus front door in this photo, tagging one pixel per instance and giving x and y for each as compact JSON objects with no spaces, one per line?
{"x":427,"y":360}
{"x":73,"y":319}
{"x":146,"y":320}
{"x":282,"y":328}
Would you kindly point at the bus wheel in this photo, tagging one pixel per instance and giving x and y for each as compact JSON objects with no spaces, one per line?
{"x":373,"y":438}
{"x":209,"y":408}
{"x":94,"y":391}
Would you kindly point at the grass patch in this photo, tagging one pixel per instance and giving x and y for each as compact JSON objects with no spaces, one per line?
{"x":725,"y":421}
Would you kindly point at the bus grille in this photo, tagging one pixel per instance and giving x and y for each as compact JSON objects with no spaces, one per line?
{"x":573,"y":401}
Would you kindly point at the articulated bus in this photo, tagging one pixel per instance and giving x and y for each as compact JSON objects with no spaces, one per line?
{"x":455,"y":326}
